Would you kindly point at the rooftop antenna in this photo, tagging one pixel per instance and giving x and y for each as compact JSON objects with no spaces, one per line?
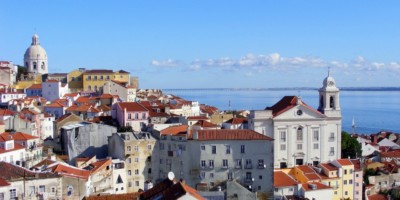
{"x":329,"y":71}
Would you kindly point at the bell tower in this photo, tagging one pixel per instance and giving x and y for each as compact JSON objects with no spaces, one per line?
{"x":329,"y":98}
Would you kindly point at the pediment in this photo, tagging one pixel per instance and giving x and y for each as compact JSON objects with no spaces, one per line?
{"x":300,"y":112}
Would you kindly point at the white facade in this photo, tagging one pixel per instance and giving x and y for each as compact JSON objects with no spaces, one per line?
{"x":302,"y":134}
{"x":126,"y":93}
{"x":213,"y":161}
{"x":35,"y":58}
{"x":53,"y":89}
{"x":7,"y":96}
{"x":8,"y":73}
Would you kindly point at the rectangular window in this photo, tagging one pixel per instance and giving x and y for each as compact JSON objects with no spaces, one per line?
{"x":242,"y":149}
{"x":136,"y":159}
{"x":316,"y":135}
{"x":211,"y":175}
{"x":136,"y":171}
{"x":137,"y":183}
{"x":42,"y":188}
{"x":283,"y":136}
{"x":316,"y":146}
{"x":248,"y":164}
{"x":202,"y":147}
{"x":299,"y":146}
{"x":283,"y":147}
{"x":129,"y":160}
{"x":260,"y":163}
{"x":13,"y":194}
{"x":225,"y":163}
{"x":238,"y":163}
{"x":228,"y":149}
{"x":213,"y":149}
{"x":345,"y":182}
{"x":203,"y":163}
{"x":211,"y":163}
{"x":332,"y":137}
{"x":136,"y":148}
{"x":230,"y":176}
{"x":129,"y":116}
{"x":350,"y":181}
{"x":299,"y":134}
{"x":129,"y":172}
{"x":332,"y":151}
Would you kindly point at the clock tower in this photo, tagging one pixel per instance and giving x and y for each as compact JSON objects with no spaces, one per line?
{"x":329,"y":98}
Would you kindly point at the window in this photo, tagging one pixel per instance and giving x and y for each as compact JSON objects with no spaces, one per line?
{"x":350,"y":181}
{"x":248,"y":164}
{"x":202,"y":147}
{"x":351,"y":171}
{"x":260,"y":163}
{"x":238,"y":163}
{"x":248,"y":176}
{"x":128,"y":148}
{"x":13,"y":194}
{"x":129,"y":116}
{"x":225,"y":163}
{"x":203,"y":163}
{"x":228,"y":149}
{"x":129,"y":172}
{"x":283,"y":147}
{"x":345,"y":171}
{"x":143,"y":115}
{"x":299,"y":146}
{"x":316,"y":146}
{"x":242,"y":149}
{"x":300,"y":134}
{"x":332,"y":137}
{"x":346,"y":193}
{"x":211,"y":175}
{"x":101,"y":77}
{"x":136,"y":159}
{"x":230,"y":176}
{"x":129,"y":160}
{"x":276,"y":189}
{"x":260,"y":177}
{"x":136,"y":171}
{"x":136,"y":116}
{"x":283,"y":136}
{"x":95,"y":78}
{"x":345,"y":182}
{"x":316,"y":135}
{"x":357,"y":175}
{"x":332,"y":102}
{"x":137,"y":183}
{"x":149,"y":147}
{"x":136,"y":148}
{"x":42,"y":188}
{"x":213,"y":149}
{"x":211,"y":163}
{"x":332,"y":151}
{"x":203,"y":175}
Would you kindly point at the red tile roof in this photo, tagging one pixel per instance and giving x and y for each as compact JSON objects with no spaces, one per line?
{"x":16,"y":147}
{"x":237,"y":120}
{"x":175,"y":130}
{"x":17,"y":136}
{"x":66,"y":170}
{"x":35,"y":87}
{"x":132,"y":106}
{"x":167,"y":189}
{"x":205,"y":124}
{"x":286,"y":103}
{"x":128,"y":196}
{"x":99,"y":165}
{"x":344,"y":162}
{"x":6,"y":112}
{"x":377,"y":197}
{"x":230,"y":134}
{"x":281,"y":179}
{"x":319,"y":186}
{"x":82,"y":99}
{"x":71,"y":94}
{"x":4,"y":183}
{"x":393,"y":154}
{"x":329,"y":166}
{"x":10,"y":171}
{"x":106,"y":96}
{"x":55,"y":105}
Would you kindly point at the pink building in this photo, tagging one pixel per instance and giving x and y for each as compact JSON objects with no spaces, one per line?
{"x":131,"y":114}
{"x":358,"y":179}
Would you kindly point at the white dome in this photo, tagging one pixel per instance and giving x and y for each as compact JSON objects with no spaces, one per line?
{"x":35,"y":51}
{"x":329,"y":81}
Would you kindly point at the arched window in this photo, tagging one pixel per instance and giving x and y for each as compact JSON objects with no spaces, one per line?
{"x":300,"y":134}
{"x":26,"y":64}
{"x":95,"y":88}
{"x":89,"y":88}
{"x":34,"y":65}
{"x":43,"y":66}
{"x":332,"y":102}
{"x":321,"y":101}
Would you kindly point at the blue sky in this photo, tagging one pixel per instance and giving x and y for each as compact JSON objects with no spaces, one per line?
{"x":208,"y":44}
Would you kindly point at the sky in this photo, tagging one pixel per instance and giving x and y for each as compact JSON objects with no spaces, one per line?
{"x":213,"y":44}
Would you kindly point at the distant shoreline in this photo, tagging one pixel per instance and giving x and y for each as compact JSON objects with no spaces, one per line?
{"x":282,"y":89}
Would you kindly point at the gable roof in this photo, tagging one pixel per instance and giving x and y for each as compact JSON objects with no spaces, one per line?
{"x":12,"y":172}
{"x":205,"y":124}
{"x":132,"y":106}
{"x":318,"y":186}
{"x":281,"y":179}
{"x":230,"y":134}
{"x":17,"y":136}
{"x":344,"y":162}
{"x":98,"y":165}
{"x":168,"y":189}
{"x":175,"y":130}
{"x":286,"y":103}
{"x":70,"y":171}
{"x":237,"y":120}
{"x":6,"y":112}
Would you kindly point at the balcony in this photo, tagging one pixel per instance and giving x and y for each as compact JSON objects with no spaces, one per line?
{"x":248,"y":166}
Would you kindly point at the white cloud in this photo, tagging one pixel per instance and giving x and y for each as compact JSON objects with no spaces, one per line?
{"x":166,"y":63}
{"x":276,"y":62}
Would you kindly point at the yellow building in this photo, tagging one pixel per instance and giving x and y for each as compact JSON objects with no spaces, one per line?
{"x":346,"y":175}
{"x":27,"y":82}
{"x":75,"y":80}
{"x":94,"y":80}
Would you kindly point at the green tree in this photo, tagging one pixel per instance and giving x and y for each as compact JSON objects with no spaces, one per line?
{"x":350,"y":146}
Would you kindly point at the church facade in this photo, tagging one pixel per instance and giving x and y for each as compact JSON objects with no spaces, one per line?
{"x":303,"y":135}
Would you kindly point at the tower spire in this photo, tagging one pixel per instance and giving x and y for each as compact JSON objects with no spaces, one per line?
{"x":329,"y":71}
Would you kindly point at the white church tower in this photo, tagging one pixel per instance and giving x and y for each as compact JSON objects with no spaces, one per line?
{"x":35,"y":58}
{"x":329,"y":98}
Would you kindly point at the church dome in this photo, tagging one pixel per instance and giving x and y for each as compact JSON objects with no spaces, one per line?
{"x":35,"y":51}
{"x":329,"y":81}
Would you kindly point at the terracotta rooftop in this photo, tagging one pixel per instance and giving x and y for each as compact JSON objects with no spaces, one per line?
{"x":175,"y":130}
{"x":281,"y":179}
{"x":286,"y":103}
{"x":167,"y":189}
{"x":66,"y":170}
{"x":205,"y":124}
{"x":17,"y":136}
{"x":319,"y":186}
{"x":344,"y":162}
{"x":329,"y":166}
{"x":4,"y":183}
{"x":10,"y":171}
{"x":393,"y":154}
{"x":6,"y":112}
{"x":377,"y":197}
{"x":230,"y":134}
{"x":35,"y":87}
{"x":98,"y":165}
{"x":132,"y":106}
{"x":128,"y":196}
{"x":237,"y":120}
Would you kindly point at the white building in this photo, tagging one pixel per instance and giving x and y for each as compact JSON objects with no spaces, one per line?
{"x":53,"y":89}
{"x":8,"y":73}
{"x":302,"y":134}
{"x":205,"y":158}
{"x":124,"y":91}
{"x":35,"y":57}
{"x":8,"y":95}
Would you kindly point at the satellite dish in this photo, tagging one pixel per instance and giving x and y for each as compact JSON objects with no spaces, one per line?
{"x":171,"y":176}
